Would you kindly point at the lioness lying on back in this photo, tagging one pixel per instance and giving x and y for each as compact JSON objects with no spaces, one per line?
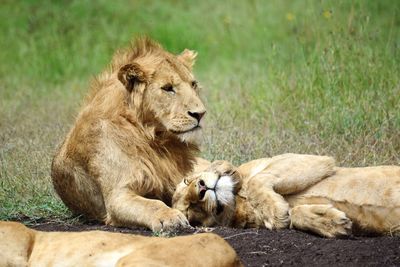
{"x":303,"y":191}
{"x":21,"y":246}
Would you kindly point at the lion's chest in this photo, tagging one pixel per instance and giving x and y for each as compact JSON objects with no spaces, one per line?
{"x":151,"y":168}
{"x":166,"y":174}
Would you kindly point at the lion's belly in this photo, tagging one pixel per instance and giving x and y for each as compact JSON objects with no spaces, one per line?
{"x":369,"y":196}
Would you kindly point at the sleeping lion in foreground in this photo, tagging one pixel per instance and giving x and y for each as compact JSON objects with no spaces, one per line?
{"x":21,"y":246}
{"x":302,"y":191}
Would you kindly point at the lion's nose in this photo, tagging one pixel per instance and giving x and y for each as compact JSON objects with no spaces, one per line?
{"x":197,"y":115}
{"x":202,"y":189}
{"x":202,"y":183}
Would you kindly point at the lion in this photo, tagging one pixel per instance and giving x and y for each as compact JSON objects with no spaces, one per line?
{"x":22,"y":246}
{"x":135,"y":138}
{"x":306,"y":192}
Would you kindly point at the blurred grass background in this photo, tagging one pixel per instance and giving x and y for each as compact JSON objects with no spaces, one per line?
{"x":318,"y":77}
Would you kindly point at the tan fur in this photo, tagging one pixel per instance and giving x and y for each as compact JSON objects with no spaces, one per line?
{"x":21,"y":246}
{"x":306,"y":192}
{"x":134,"y":139}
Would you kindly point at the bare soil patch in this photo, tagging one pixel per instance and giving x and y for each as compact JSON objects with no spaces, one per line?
{"x":261,"y":247}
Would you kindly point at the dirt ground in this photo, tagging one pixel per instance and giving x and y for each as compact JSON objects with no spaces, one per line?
{"x":261,"y":247}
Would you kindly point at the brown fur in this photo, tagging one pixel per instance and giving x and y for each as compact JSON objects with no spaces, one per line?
{"x":302,"y":191}
{"x":134,"y":139}
{"x":21,"y":246}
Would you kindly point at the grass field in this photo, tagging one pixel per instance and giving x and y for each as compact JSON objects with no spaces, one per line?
{"x":319,"y":77}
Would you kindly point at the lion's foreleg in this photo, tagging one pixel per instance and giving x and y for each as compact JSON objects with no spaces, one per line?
{"x":271,"y":209}
{"x":322,"y":219}
{"x":125,"y":208}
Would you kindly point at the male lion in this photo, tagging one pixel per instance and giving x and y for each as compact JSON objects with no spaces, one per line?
{"x":134,"y":139}
{"x":304,"y":191}
{"x":21,"y":246}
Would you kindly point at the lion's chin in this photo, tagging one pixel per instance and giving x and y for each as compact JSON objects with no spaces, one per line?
{"x":191,"y":137}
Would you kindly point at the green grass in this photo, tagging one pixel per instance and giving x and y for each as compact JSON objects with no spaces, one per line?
{"x":317,"y":77}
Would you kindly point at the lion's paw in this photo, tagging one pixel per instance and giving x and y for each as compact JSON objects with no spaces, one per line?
{"x":273,"y":215}
{"x":270,"y":208}
{"x":324,"y":220}
{"x":276,"y":218}
{"x":335,"y":223}
{"x":169,"y":219}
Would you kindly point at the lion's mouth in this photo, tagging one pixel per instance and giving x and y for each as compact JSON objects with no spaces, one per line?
{"x":195,"y":128}
{"x":222,"y":190}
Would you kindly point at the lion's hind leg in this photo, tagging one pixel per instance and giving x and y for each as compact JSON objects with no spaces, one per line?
{"x":296,"y":172}
{"x":322,"y":219}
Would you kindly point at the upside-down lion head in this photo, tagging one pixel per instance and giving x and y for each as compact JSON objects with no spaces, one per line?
{"x":208,"y":198}
{"x":162,"y":88}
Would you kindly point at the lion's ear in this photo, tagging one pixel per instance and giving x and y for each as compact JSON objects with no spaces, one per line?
{"x":131,"y":75}
{"x":222,"y":167}
{"x":188,"y":57}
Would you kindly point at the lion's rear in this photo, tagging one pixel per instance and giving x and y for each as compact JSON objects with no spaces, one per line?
{"x":79,"y":193}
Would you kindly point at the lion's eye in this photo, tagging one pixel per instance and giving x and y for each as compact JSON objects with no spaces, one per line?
{"x":228,"y":173}
{"x":168,"y":88}
{"x":194,"y":85}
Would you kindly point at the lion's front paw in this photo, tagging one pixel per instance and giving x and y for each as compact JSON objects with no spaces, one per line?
{"x":272,"y":212}
{"x":324,"y":220}
{"x":168,"y":219}
{"x":270,"y":208}
{"x":276,"y":216}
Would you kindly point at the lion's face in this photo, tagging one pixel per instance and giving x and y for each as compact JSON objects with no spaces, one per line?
{"x":208,"y":198}
{"x":169,"y":92}
{"x":174,"y":99}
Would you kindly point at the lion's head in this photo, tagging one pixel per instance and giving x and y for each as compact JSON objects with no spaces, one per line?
{"x":162,"y":88}
{"x":208,"y":198}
